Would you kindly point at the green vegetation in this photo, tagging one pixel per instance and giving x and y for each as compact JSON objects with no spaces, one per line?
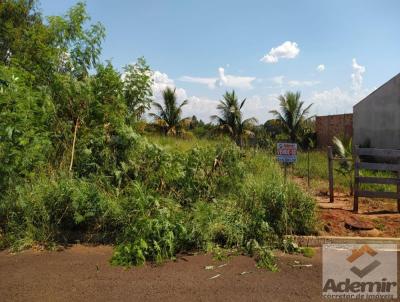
{"x":346,"y":167}
{"x":137,"y":88}
{"x":293,"y":117}
{"x":308,"y":252}
{"x":169,"y":116}
{"x":231,"y":119}
{"x":171,"y":143}
{"x":74,"y":168}
{"x":319,"y":173}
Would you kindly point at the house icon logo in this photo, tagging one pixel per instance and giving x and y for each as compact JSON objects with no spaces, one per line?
{"x":359,"y":271}
{"x":357,"y":253}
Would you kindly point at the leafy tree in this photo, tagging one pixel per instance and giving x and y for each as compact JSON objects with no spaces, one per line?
{"x":43,"y":49}
{"x":273,"y":127}
{"x":26,"y":118}
{"x":137,"y":88}
{"x":103,"y":141}
{"x":78,"y":45}
{"x":169,"y":116}
{"x":293,"y":115}
{"x":24,"y":39}
{"x":231,"y":120}
{"x":263,"y":138}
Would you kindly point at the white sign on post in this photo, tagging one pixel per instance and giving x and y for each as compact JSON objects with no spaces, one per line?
{"x":286,"y":152}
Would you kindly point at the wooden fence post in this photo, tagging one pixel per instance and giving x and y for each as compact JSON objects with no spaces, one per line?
{"x":356,"y":179}
{"x":330,"y":172}
{"x":398,"y":192}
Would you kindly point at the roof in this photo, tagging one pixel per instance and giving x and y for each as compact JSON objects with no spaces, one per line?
{"x":395,"y":78}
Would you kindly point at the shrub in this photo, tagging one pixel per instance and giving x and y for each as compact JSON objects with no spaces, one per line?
{"x":159,"y":202}
{"x":152,"y":228}
{"x":48,"y":211}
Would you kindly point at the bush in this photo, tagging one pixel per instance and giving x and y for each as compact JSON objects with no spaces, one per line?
{"x":152,"y":228}
{"x":160,"y":202}
{"x":288,"y":210}
{"x":48,"y":211}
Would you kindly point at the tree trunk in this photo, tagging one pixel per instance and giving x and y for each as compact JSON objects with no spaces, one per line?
{"x":73,"y":145}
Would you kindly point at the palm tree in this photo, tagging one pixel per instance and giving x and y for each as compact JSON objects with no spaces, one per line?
{"x":231,"y":120}
{"x":292,"y":116}
{"x":169,"y":115}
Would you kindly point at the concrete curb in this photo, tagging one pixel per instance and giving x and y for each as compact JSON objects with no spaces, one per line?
{"x":318,"y":241}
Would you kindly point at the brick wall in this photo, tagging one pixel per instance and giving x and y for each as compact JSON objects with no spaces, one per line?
{"x":326,"y":127}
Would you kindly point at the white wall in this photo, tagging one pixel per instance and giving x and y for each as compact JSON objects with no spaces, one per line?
{"x":377,"y":117}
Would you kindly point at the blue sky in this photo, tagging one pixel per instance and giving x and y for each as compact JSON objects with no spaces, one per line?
{"x":259,"y":48}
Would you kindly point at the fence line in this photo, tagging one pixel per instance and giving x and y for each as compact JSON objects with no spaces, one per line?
{"x":385,"y":154}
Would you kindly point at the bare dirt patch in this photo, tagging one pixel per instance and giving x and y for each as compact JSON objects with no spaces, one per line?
{"x":334,"y":217}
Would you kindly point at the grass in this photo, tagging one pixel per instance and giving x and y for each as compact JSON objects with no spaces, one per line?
{"x":307,"y":252}
{"x":180,"y":144}
{"x":264,"y":161}
{"x":188,"y":194}
{"x":319,"y":173}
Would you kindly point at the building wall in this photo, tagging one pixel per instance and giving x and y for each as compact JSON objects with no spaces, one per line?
{"x":376,"y":119}
{"x":326,"y":127}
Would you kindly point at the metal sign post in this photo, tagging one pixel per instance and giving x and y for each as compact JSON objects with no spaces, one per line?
{"x":286,"y":153}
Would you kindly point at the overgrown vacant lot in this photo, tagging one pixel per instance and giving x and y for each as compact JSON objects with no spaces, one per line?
{"x":74,"y":167}
{"x":114,"y":186}
{"x":167,"y":199}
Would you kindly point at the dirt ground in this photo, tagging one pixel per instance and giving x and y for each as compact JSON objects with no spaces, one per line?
{"x":380,"y":214}
{"x":82,"y":273}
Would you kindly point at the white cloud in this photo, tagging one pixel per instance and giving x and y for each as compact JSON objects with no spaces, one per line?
{"x":204,"y":107}
{"x":278,"y":80}
{"x":224,"y":80}
{"x":255,"y":106}
{"x":295,"y":83}
{"x":332,"y":101}
{"x":320,"y":67}
{"x":234,"y":81}
{"x":201,"y":107}
{"x":357,"y":75}
{"x":281,"y":81}
{"x":162,"y":81}
{"x":287,"y":50}
{"x":260,"y":106}
{"x":210,"y":82}
{"x":336,"y":100}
